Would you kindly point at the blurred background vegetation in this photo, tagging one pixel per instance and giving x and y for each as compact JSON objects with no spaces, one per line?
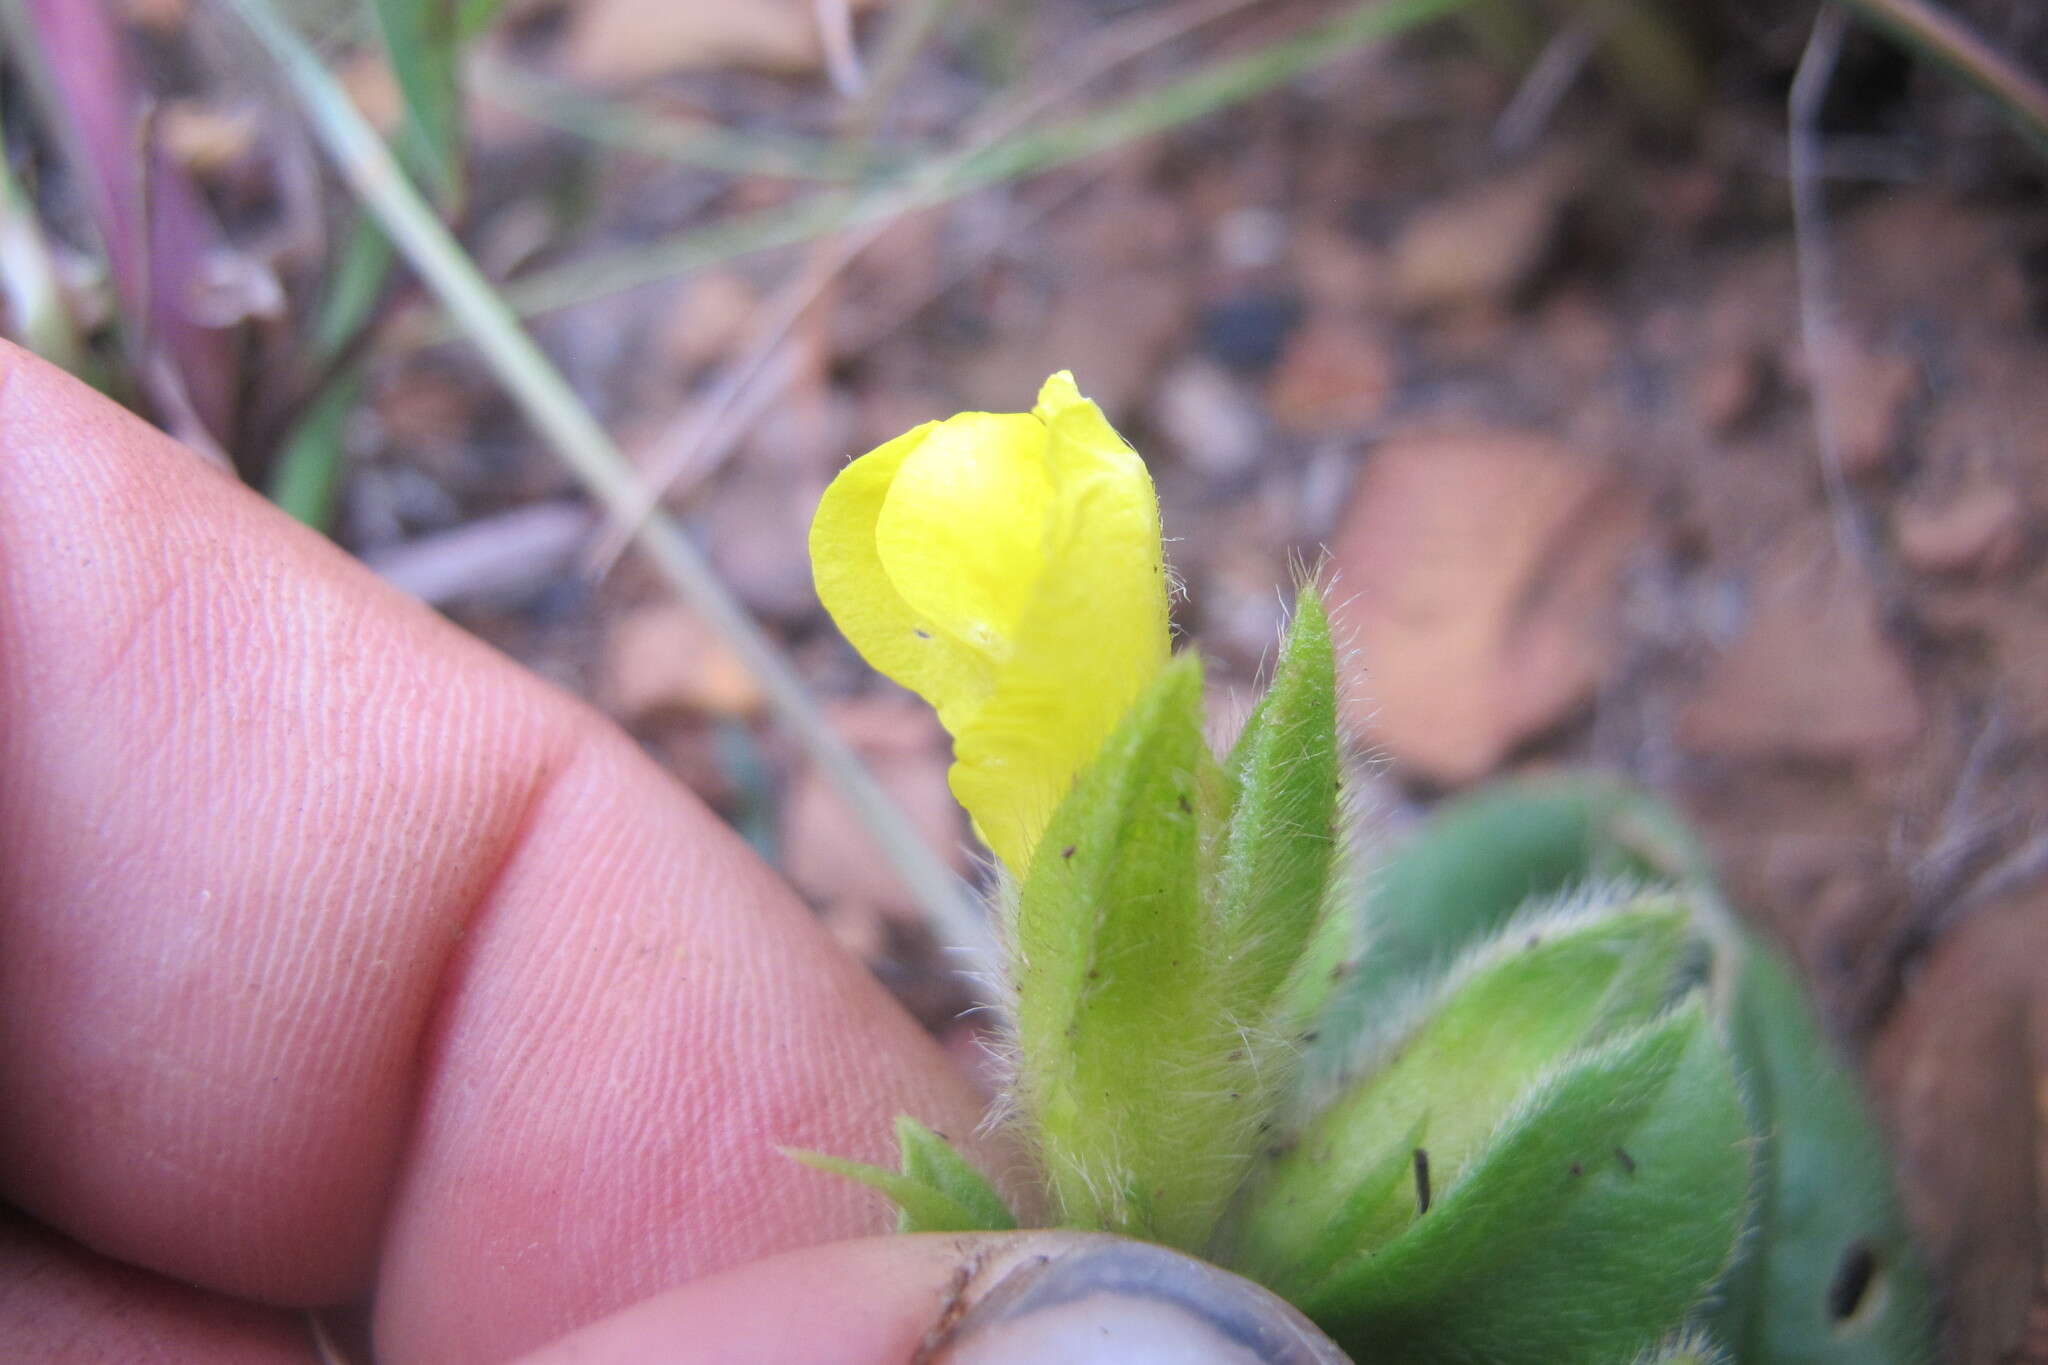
{"x":1661,"y":381}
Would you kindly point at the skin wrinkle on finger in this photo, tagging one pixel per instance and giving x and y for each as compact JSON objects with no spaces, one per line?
{"x":239,"y":887}
{"x":204,"y":730}
{"x":700,"y":1018}
{"x":61,"y":1304}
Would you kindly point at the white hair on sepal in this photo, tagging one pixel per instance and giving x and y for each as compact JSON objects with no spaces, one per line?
{"x":1413,"y":1004}
{"x":1691,"y":1345}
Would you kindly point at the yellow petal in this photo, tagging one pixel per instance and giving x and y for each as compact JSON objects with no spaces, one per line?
{"x":1093,"y":636}
{"x":960,"y":535}
{"x":846,"y":564}
{"x":1008,"y":569}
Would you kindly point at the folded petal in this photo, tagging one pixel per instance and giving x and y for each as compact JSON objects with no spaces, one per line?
{"x":961,"y":532}
{"x":1092,"y":637}
{"x":846,"y":564}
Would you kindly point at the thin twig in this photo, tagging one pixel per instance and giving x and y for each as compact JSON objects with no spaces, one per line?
{"x":1818,"y":332}
{"x":650,"y":132}
{"x":715,"y":422}
{"x":1553,"y":73}
{"x":709,"y":431}
{"x":910,"y":26}
{"x":1930,"y":29}
{"x":835,"y":35}
{"x":1205,"y":90}
{"x":552,"y":405}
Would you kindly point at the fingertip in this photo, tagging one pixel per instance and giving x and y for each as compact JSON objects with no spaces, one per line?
{"x":994,"y":1299}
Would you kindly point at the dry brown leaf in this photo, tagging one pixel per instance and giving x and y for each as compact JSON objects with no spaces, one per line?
{"x":1337,"y":374}
{"x":1479,"y":246}
{"x":1979,"y":528}
{"x":1478,"y":577}
{"x":1962,"y":1074}
{"x":1812,"y":674}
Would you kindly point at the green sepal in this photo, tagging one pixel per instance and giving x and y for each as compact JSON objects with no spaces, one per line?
{"x":936,"y":1191}
{"x":927,"y":1157}
{"x":1145,"y":1090}
{"x":1459,"y":879}
{"x":1549,"y":988}
{"x":1687,"y":1348}
{"x":1824,"y":1186}
{"x":1280,"y":851}
{"x":1597,"y":1216}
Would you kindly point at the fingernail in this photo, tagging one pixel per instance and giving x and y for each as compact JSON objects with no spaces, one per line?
{"x":1083,"y":1298}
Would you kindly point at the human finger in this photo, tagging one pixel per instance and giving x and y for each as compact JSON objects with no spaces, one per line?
{"x":335,"y":949}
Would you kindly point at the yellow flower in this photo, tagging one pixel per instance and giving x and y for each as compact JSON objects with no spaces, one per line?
{"x":1006,"y":567}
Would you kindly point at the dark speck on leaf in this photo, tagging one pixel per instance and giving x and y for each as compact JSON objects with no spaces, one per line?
{"x":1628,"y":1163}
{"x":1577,"y":1169}
{"x":1850,"y":1289}
{"x":920,"y":634}
{"x":1067,"y":852}
{"x":1185,"y":808}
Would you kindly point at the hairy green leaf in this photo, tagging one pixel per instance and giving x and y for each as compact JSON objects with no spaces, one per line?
{"x":1829,"y":1274}
{"x":1544,"y":991}
{"x":1280,"y":851}
{"x":922,"y":1208}
{"x":1597,"y":1216}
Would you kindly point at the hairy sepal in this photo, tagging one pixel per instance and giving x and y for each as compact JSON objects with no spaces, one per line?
{"x":1596,"y":1218}
{"x":1280,"y":852}
{"x":1143,"y":1086}
{"x":935,"y":1191}
{"x":1551,"y":987}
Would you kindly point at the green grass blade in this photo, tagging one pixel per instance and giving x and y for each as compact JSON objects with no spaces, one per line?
{"x":424,"y":41}
{"x":306,"y":476}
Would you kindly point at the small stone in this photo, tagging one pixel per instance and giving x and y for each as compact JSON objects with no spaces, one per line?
{"x":620,"y":41}
{"x":1980,"y":529}
{"x":207,"y":139}
{"x":157,"y":16}
{"x":1207,"y":417}
{"x":1248,"y":331}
